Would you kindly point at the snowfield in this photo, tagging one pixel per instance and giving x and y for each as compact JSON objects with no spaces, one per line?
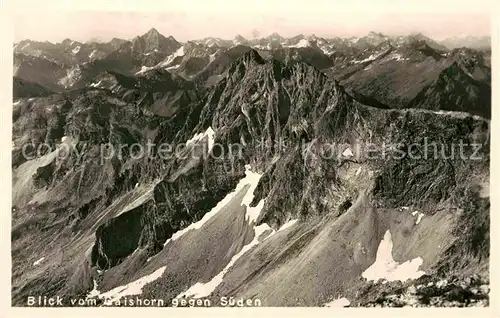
{"x":386,"y":268}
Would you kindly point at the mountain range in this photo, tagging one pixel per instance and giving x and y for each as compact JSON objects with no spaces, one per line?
{"x":352,"y":61}
{"x":314,"y":206}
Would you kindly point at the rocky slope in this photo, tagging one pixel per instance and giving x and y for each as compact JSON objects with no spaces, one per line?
{"x":289,"y":188}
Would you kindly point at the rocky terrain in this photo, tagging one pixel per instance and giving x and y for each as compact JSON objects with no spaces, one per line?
{"x":312,"y":172}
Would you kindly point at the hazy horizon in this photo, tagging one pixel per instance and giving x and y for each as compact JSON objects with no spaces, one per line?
{"x":225,"y":20}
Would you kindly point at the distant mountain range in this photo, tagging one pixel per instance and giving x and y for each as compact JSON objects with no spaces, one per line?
{"x":473,"y":42}
{"x":352,"y":61}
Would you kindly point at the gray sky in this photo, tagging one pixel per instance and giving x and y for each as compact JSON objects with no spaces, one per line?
{"x":55,"y":20}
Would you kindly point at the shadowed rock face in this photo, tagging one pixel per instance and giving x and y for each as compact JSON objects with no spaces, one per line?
{"x":26,"y":89}
{"x":416,"y":75}
{"x":456,"y":90}
{"x":111,"y":245}
{"x":108,"y":220}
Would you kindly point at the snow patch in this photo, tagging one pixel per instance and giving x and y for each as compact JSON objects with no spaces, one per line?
{"x":72,"y":76}
{"x":25,"y":46}
{"x":248,"y":179}
{"x":347,"y":153}
{"x":238,"y":41}
{"x":372,"y":57}
{"x":94,"y":292}
{"x":16,"y":103}
{"x":173,"y":67}
{"x":419,"y":216}
{"x":208,"y":133}
{"x":259,"y":47}
{"x":92,"y":54}
{"x":212,"y":57}
{"x":96,"y":84}
{"x":210,"y":42}
{"x":200,"y":290}
{"x":326,"y":50}
{"x":442,"y":283}
{"x":386,"y":268}
{"x":301,"y":43}
{"x":76,"y":49}
{"x":287,"y":225}
{"x":144,"y":69}
{"x":340,"y":302}
{"x":133,"y":288}
{"x":140,"y":196}
{"x":37,"y":262}
{"x":252,"y":212}
{"x":399,"y":57}
{"x":180,"y":52}
{"x":358,"y":171}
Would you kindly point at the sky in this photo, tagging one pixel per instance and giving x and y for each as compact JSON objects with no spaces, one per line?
{"x":55,"y":20}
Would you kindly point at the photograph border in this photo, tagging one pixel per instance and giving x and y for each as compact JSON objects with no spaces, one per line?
{"x":6,"y":69}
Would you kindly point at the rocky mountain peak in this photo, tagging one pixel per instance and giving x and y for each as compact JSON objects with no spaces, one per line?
{"x":275,"y":37}
{"x":239,"y":39}
{"x":67,"y":42}
{"x":153,"y":32}
{"x":376,"y":34}
{"x":116,"y":42}
{"x":154,"y":41}
{"x":153,"y":36}
{"x":252,"y":56}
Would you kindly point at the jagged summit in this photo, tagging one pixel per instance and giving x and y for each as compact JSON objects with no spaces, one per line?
{"x":154,"y":41}
{"x":376,"y":34}
{"x":252,"y":56}
{"x":246,"y":62}
{"x":153,"y":35}
{"x":153,"y":32}
{"x":117,"y":40}
{"x":67,"y":41}
{"x":239,"y":39}
{"x":275,"y":37}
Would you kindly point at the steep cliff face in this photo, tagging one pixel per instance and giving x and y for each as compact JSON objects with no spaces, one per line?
{"x":286,"y":189}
